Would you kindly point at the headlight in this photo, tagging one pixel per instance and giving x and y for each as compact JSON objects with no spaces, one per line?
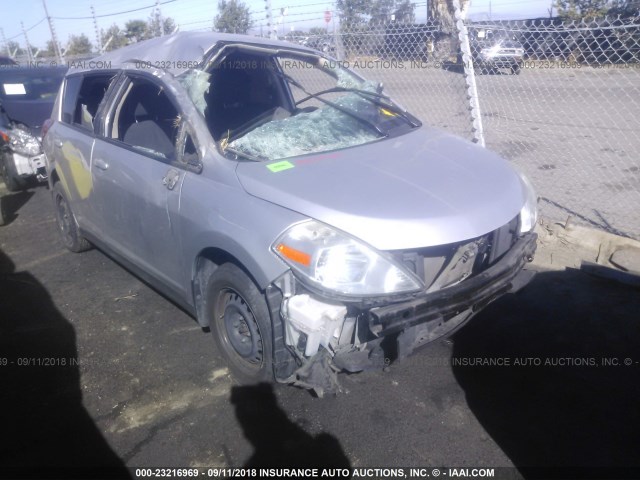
{"x":23,"y":142}
{"x":529,"y":212}
{"x":333,"y":261}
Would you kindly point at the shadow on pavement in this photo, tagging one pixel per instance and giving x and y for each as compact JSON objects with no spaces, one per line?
{"x":570,"y":394}
{"x":10,"y":203}
{"x":46,"y":431}
{"x":277,"y":441}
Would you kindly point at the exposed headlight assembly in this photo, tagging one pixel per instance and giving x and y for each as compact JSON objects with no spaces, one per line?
{"x":23,"y":142}
{"x":529,"y":212}
{"x":333,"y":261}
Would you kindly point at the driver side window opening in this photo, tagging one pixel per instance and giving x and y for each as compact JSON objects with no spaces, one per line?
{"x":146,"y":119}
{"x":90,"y":96}
{"x":242,"y":88}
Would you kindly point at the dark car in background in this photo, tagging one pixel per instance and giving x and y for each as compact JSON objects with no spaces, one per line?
{"x":7,"y":61}
{"x":321,"y":43}
{"x":26,"y":101}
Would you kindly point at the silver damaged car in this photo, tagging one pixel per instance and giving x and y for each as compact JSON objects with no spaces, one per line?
{"x":307,"y":220}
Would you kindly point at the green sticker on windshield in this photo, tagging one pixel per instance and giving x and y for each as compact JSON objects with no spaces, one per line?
{"x":279,"y":166}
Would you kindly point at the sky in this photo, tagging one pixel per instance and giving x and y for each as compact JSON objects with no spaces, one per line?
{"x":199,"y":14}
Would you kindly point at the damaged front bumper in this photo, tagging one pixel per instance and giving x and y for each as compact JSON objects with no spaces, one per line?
{"x":326,"y":336}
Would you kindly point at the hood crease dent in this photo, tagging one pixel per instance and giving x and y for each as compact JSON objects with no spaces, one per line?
{"x":439,"y":189}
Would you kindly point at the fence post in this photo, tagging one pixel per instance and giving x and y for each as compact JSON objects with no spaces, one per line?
{"x":469,"y":73}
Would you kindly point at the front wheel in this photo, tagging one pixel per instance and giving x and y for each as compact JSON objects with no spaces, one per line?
{"x":240,"y":324}
{"x":66,"y":222}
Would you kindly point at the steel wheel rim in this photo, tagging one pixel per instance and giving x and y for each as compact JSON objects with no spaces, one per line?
{"x":241,"y":329}
{"x":64,"y":218}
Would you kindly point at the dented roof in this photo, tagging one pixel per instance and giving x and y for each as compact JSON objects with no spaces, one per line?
{"x":179,"y":51}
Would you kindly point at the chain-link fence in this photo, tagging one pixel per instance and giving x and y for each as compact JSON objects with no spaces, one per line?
{"x":559,"y":98}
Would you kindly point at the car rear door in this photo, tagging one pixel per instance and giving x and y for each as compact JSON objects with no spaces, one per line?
{"x":73,"y":137}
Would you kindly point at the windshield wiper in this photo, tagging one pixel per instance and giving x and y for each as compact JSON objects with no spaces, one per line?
{"x":373,"y":97}
{"x":340,"y":108}
{"x":248,"y":156}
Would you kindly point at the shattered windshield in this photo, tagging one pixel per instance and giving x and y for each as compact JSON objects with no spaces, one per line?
{"x":267,"y":107}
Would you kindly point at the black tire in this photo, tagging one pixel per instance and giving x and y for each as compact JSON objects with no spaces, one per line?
{"x":240,"y":324}
{"x":12,"y":180}
{"x":66,"y":222}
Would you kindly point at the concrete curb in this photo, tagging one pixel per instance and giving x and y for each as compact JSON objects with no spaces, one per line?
{"x":563,"y":246}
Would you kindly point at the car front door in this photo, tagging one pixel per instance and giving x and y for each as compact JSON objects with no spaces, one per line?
{"x":137,"y":177}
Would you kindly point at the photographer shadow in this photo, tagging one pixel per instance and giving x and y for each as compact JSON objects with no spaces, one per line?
{"x":277,"y":441}
{"x":567,"y":400}
{"x":46,"y":430}
{"x":10,"y":203}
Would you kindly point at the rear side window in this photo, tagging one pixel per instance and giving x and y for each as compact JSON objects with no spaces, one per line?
{"x":71,"y":88}
{"x":82,"y":97}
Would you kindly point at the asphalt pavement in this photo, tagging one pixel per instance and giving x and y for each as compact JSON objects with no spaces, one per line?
{"x":97,"y":369}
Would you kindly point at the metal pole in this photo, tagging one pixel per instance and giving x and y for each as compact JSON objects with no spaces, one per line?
{"x":95,"y":26}
{"x":267,"y":7}
{"x":336,"y":38}
{"x":26,"y":39}
{"x":469,"y":73}
{"x":4,"y":42}
{"x":159,"y":18}
{"x":54,"y":39}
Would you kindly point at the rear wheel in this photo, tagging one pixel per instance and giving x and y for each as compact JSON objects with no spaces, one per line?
{"x":67,"y":226}
{"x":12,"y":180}
{"x":240,"y":324}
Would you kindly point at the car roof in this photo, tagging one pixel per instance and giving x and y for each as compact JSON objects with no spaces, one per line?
{"x":179,"y":51}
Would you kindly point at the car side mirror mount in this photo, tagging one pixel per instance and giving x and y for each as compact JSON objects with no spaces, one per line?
{"x":192,"y":162}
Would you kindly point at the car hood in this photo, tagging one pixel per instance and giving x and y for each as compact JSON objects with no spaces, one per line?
{"x":417,"y":190}
{"x":31,"y":113}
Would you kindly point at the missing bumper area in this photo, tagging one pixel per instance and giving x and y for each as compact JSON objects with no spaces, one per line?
{"x":331,"y":337}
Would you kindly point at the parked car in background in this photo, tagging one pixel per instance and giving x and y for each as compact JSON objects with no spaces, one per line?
{"x":321,"y":43}
{"x":26,"y":100}
{"x":311,"y":223}
{"x":496,"y":50}
{"x":7,"y":61}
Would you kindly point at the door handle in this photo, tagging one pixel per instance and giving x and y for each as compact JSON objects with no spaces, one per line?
{"x":58,"y":143}
{"x":171,"y":178}
{"x":101,"y":164}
